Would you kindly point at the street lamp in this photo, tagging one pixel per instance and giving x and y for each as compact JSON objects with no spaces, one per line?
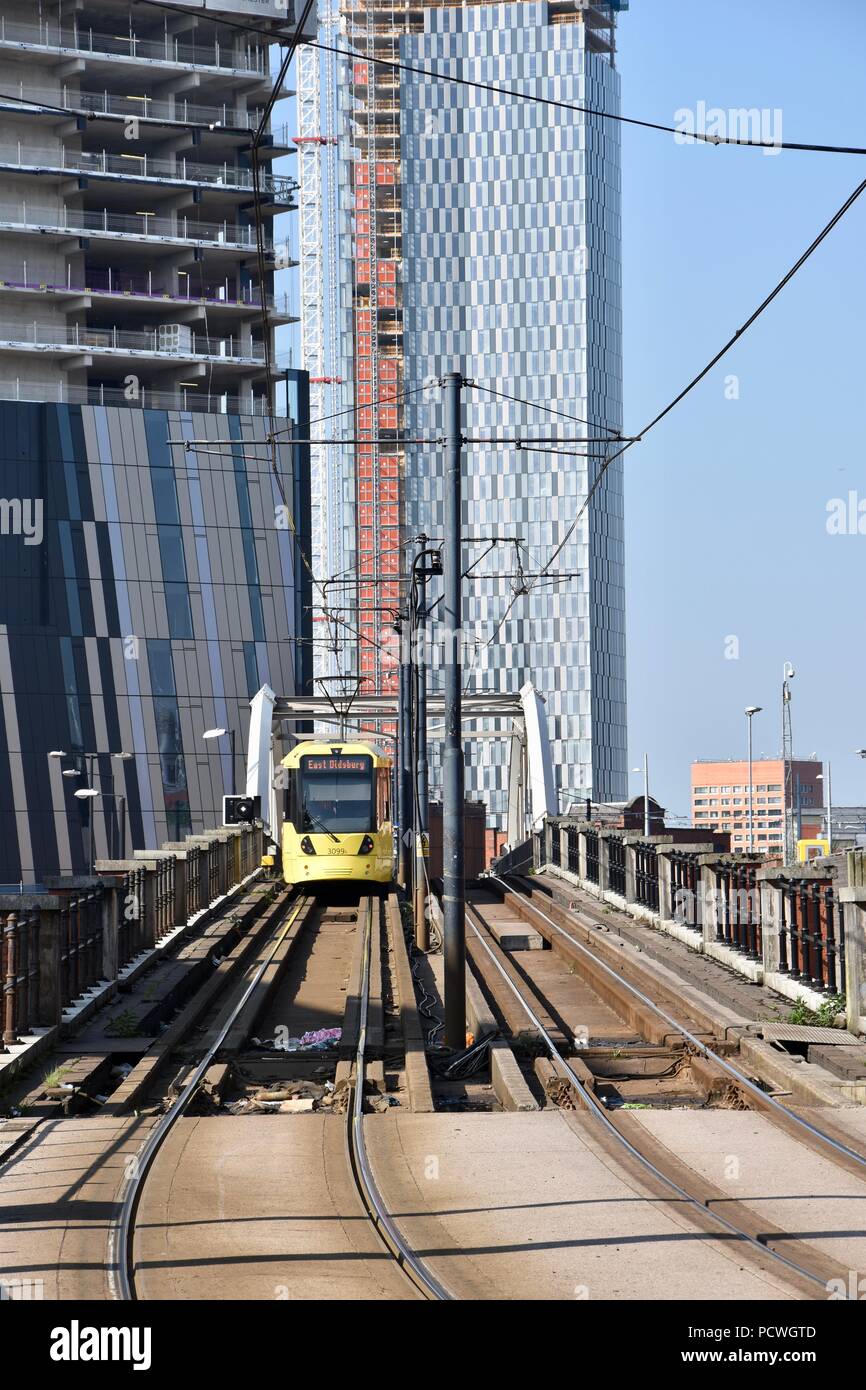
{"x":87,"y":794}
{"x":829,"y":789}
{"x":751,"y":711}
{"x":221,"y":733}
{"x":91,"y":762}
{"x":646,"y":812}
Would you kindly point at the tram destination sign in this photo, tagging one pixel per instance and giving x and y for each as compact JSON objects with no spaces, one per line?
{"x":336,"y":764}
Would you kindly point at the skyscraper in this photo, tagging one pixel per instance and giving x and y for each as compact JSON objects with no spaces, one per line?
{"x":511,"y":273}
{"x":468,"y":228}
{"x":149,"y":551}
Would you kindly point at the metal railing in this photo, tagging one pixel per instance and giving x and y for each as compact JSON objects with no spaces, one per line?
{"x":572,"y":858}
{"x":134,"y":286}
{"x":738,"y":908}
{"x":142,"y":226}
{"x":593,"y":858}
{"x":198,"y":402}
{"x":144,"y":166}
{"x":56,"y":948}
{"x":685,"y":906}
{"x":76,"y":39}
{"x":19,"y":955}
{"x":646,"y":877}
{"x":555,"y":844}
{"x":186,"y":344}
{"x":812,"y":935}
{"x":178,"y":111}
{"x":616,"y":865}
{"x":130,"y":923}
{"x":80,"y":943}
{"x":213,"y":869}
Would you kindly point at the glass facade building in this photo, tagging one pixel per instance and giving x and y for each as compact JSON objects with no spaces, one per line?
{"x":147,"y":591}
{"x":511,"y":274}
{"x":147,"y":588}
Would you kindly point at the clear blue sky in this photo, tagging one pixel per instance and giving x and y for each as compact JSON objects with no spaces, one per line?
{"x":726,"y":502}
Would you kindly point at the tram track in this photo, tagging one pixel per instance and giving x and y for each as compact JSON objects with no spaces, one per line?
{"x":809,"y":1268}
{"x":763,"y":1100}
{"x":237,"y":1017}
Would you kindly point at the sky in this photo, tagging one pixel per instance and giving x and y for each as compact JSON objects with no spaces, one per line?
{"x":727,"y":500}
{"x":731,"y":570}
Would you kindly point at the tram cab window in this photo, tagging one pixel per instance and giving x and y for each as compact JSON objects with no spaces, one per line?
{"x":334,"y":793}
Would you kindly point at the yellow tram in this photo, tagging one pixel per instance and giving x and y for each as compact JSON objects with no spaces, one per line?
{"x":336,"y":814}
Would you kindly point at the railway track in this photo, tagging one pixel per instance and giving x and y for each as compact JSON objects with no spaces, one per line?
{"x":809,"y":1268}
{"x":835,"y":1145}
{"x":246,"y":1003}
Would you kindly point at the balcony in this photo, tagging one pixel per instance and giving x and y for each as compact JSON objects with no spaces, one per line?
{"x":212,"y":402}
{"x":142,"y":168}
{"x":144,"y":107}
{"x":147,"y":290}
{"x":174,"y":342}
{"x":75,"y":42}
{"x":139,"y":226}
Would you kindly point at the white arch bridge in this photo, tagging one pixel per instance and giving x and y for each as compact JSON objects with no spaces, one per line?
{"x":520,"y":718}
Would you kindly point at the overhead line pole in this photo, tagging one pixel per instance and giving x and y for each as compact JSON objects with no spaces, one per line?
{"x":421,"y":771}
{"x":399,"y":765}
{"x":453,"y":897}
{"x":406,"y":760}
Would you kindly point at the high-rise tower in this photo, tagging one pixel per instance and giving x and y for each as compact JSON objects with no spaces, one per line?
{"x":151,"y":575}
{"x":485,"y":233}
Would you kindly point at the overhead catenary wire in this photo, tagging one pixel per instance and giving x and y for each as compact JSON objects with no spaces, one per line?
{"x":713,"y":362}
{"x":603,"y":115}
{"x":537,"y":405}
{"x":438,"y":75}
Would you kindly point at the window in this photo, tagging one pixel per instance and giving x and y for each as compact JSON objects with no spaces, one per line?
{"x":335,"y":793}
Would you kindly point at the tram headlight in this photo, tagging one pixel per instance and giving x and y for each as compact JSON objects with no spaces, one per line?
{"x":366,"y":846}
{"x":307,"y":845}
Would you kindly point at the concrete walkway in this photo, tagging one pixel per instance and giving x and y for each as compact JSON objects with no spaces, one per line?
{"x":259,"y":1207}
{"x":515,"y":1206}
{"x":786,"y":1182}
{"x":502,"y":1206}
{"x":57,"y":1199}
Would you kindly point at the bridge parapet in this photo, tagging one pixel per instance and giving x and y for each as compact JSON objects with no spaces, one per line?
{"x":798,"y":928}
{"x":61,"y":946}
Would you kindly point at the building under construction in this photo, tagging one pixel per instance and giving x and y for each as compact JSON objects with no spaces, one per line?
{"x":358,"y":119}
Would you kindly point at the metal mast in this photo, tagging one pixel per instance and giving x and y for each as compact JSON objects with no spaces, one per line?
{"x":788,"y":761}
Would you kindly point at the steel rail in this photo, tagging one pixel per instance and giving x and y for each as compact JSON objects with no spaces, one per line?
{"x":742,"y":1080}
{"x":121,"y":1272}
{"x":595,"y":1108}
{"x":386,"y":1228}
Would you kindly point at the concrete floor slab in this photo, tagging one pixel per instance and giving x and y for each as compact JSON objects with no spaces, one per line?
{"x":259,"y":1207}
{"x":782,"y":1179}
{"x":58,"y":1196}
{"x":514,"y":1206}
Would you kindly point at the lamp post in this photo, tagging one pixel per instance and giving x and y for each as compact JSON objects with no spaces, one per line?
{"x":646,"y":810}
{"x":89,"y":793}
{"x":221,"y":733}
{"x":751,"y":711}
{"x":825,"y":778}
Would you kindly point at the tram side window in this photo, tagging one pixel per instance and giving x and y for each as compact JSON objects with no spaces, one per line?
{"x":290,"y":798}
{"x":335,"y":795}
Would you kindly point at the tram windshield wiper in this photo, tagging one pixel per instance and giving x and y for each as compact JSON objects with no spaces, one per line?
{"x":311,"y":820}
